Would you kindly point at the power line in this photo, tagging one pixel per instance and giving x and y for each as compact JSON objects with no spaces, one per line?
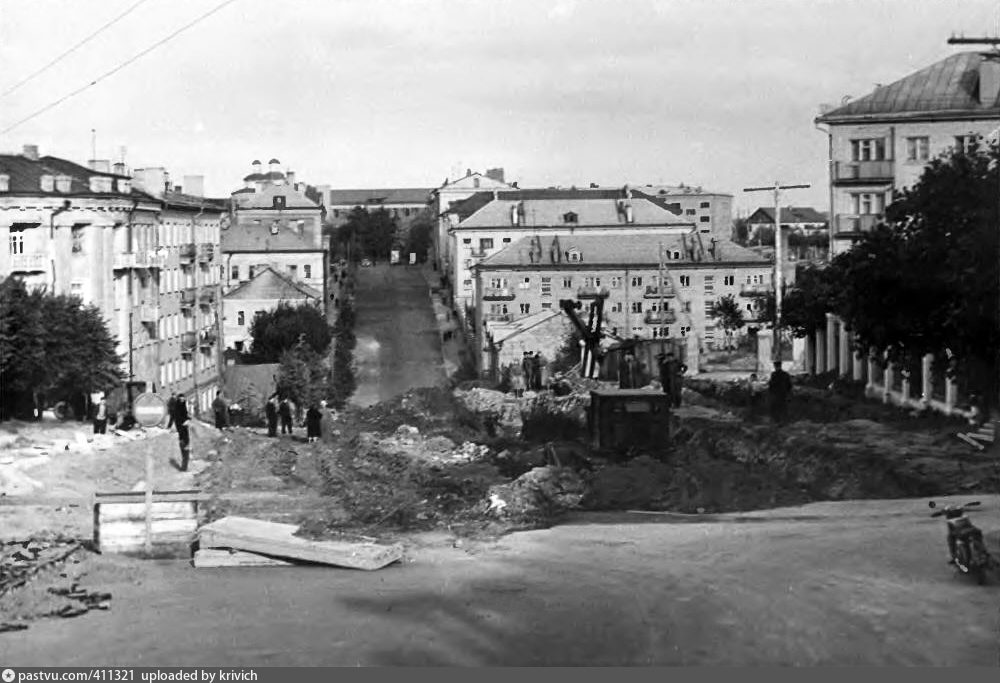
{"x":72,"y":49}
{"x":117,"y":68}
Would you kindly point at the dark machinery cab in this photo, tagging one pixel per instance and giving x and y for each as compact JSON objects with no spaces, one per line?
{"x":621,"y":418}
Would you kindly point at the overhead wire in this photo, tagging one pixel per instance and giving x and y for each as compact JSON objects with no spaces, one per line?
{"x":73,"y":49}
{"x":118,"y":68}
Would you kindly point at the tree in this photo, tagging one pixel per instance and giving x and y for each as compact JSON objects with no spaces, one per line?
{"x":302,"y":374}
{"x":280,"y":329}
{"x":568,"y":355}
{"x":730,"y":316}
{"x":740,"y":231}
{"x":52,"y":345}
{"x":418,"y":240}
{"x":804,"y":306}
{"x":369,"y":233}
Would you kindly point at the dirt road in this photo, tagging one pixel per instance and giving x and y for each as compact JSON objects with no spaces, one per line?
{"x":850,"y":583}
{"x":398,"y":343}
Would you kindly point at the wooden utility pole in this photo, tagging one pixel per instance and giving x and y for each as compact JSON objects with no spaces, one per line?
{"x":778,"y":261}
{"x":663,"y":303}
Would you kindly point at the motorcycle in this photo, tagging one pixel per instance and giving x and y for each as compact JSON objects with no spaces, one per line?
{"x":970,"y":555}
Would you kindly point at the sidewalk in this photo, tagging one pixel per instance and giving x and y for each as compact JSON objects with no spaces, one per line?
{"x":452,"y":349}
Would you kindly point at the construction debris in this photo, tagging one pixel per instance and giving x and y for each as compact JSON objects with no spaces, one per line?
{"x":279,"y":540}
{"x":221,"y":557}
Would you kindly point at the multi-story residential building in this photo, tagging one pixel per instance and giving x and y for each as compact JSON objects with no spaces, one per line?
{"x":263,"y":292}
{"x":451,"y":192}
{"x":97,"y":234}
{"x":274,"y":225}
{"x":533,"y":274}
{"x":711,"y":212}
{"x":488,"y":222}
{"x":403,"y":204}
{"x":880,"y":143}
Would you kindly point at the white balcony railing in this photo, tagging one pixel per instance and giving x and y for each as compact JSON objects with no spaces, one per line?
{"x":27,"y":263}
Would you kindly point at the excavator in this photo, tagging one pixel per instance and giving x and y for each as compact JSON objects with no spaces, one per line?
{"x":590,"y":332}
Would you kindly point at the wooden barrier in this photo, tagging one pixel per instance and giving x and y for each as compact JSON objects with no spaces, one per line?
{"x":133,"y":523}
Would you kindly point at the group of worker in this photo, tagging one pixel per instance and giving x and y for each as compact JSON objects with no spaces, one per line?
{"x":530,"y":374}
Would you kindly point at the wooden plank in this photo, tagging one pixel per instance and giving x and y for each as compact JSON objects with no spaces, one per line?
{"x":270,"y":538}
{"x":988,"y":438}
{"x":218,"y":557}
{"x":158,"y":496}
{"x":159,"y":527}
{"x":113,"y":512}
{"x":972,"y":442}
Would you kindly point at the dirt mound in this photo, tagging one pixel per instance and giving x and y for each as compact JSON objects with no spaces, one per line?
{"x":542,"y":493}
{"x":434,"y":411}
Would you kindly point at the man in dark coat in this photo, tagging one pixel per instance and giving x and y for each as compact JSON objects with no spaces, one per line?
{"x":101,"y":417}
{"x":313,"y":419}
{"x":285,"y":413}
{"x":221,"y":410}
{"x":779,"y":388}
{"x":180,"y":420}
{"x":628,"y":371}
{"x":672,"y":377}
{"x":536,"y":371}
{"x":271,"y":413}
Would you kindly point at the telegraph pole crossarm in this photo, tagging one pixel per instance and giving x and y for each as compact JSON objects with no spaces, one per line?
{"x":778,"y":261}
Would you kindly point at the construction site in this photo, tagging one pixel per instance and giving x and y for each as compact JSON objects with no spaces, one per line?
{"x":438,"y":477}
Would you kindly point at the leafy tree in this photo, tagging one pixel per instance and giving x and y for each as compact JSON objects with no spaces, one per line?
{"x":370,"y":233}
{"x":342,"y":382}
{"x":729,"y":314}
{"x":52,"y":345}
{"x":568,"y":354}
{"x":418,"y":240}
{"x":280,"y":329}
{"x":741,"y":231}
{"x":804,"y":306}
{"x":302,"y":374}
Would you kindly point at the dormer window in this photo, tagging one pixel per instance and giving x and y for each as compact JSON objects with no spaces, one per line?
{"x":574,"y":255}
{"x":100,"y":183}
{"x":570,"y":218}
{"x":274,"y":228}
{"x":48,"y":183}
{"x":4,"y":182}
{"x":279,"y":202}
{"x":124,"y":186}
{"x":64,"y":183}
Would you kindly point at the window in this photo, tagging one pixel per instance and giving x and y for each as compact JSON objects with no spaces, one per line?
{"x":506,"y":240}
{"x":485,"y":243}
{"x":567,"y":283}
{"x":525,"y":309}
{"x":307,"y":272}
{"x":278,"y":202}
{"x":705,"y":219}
{"x":685,"y":330}
{"x":546,"y":305}
{"x":293,"y":271}
{"x":76,"y":289}
{"x":918,"y":148}
{"x":637,"y":307}
{"x":406,"y":211}
{"x":475,"y":182}
{"x":466,"y":284}
{"x":965,"y":143}
{"x":467,"y":240}
{"x":498,"y":282}
{"x":690,"y":212}
{"x":16,"y":239}
{"x":570,"y":217}
{"x":705,"y":205}
{"x":637,"y":281}
{"x":709,"y":284}
{"x":616,"y":281}
{"x":498,"y":309}
{"x":685,"y":280}
{"x":591,"y":281}
{"x":710,"y":309}
{"x":77,"y":233}
{"x":638,"y":331}
{"x":235,"y":275}
{"x":871,"y":149}
{"x":616,"y":307}
{"x":677,"y":256}
{"x":241,"y":318}
{"x":729,"y":280}
{"x":546,"y":287}
{"x":867,"y":203}
{"x":251,"y":273}
{"x":687,"y":306}
{"x":656,"y":332}
{"x":574,"y":255}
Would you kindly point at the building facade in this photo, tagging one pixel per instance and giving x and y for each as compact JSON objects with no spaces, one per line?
{"x":805,"y":232}
{"x":452,"y":192}
{"x":643,"y":296}
{"x":274,"y":225}
{"x":880,"y":143}
{"x":488,"y":222}
{"x":403,"y":204}
{"x":263,"y":292}
{"x":97,"y":233}
{"x":711,"y":212}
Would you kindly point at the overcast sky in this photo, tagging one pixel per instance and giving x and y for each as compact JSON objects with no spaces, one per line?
{"x":404,"y":93}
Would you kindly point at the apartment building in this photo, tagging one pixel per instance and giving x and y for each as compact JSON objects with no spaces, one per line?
{"x":403,"y":204}
{"x":711,"y":212}
{"x":274,"y":225}
{"x":452,"y":192}
{"x":641,"y":299}
{"x":116,"y":242}
{"x":488,"y":222}
{"x":880,"y":143}
{"x":263,"y":292}
{"x":806,"y":233}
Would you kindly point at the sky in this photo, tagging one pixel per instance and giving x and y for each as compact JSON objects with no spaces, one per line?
{"x":720,"y":94}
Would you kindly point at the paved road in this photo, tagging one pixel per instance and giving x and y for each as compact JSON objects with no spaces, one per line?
{"x":837,"y":583}
{"x":399,"y":347}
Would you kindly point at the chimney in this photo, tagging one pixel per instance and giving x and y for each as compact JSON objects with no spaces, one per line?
{"x":100,"y":165}
{"x":989,"y":80}
{"x":290,"y":177}
{"x":195,"y":185}
{"x":120,"y":168}
{"x":152,"y":181}
{"x":31,"y":152}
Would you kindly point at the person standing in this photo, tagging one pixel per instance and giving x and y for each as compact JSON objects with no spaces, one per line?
{"x":517,"y":380}
{"x":271,"y":413}
{"x":180,"y":420}
{"x":526,"y":369}
{"x":627,"y":371}
{"x":672,"y":377}
{"x":101,"y":417}
{"x":536,"y":371}
{"x":313,"y":418}
{"x":779,"y":388}
{"x":285,"y":413}
{"x":221,"y":410}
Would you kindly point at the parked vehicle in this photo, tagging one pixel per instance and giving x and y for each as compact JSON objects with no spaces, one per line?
{"x":366,"y":263}
{"x":970,"y":555}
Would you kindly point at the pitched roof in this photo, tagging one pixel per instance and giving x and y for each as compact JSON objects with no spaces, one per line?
{"x":789,"y":214}
{"x":950,"y":86}
{"x":546,"y":207}
{"x":25,"y":177}
{"x":265,"y":198}
{"x":502,"y":331}
{"x":607,"y":250}
{"x":400,"y":195}
{"x":270,"y":284}
{"x":190,"y":201}
{"x":247,"y":236}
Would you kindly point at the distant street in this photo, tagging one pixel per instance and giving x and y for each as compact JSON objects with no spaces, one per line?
{"x":853,"y":583}
{"x":399,"y":347}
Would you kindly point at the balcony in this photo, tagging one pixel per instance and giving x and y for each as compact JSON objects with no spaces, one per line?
{"x":131,"y":260}
{"x":27,"y":263}
{"x":850,"y":226}
{"x":660,"y":317}
{"x":189,"y":297}
{"x":499,"y":317}
{"x":501,"y":294}
{"x":862,"y":172}
{"x":592,"y":293}
{"x":154,"y":260}
{"x":206,"y":252}
{"x":189,"y":340}
{"x":188,"y":252}
{"x":755,"y":290}
{"x":653,"y":292}
{"x":207,"y":338}
{"x":149,"y":313}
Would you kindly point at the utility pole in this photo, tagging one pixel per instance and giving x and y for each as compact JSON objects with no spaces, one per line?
{"x":778,"y":262}
{"x":659,"y":286}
